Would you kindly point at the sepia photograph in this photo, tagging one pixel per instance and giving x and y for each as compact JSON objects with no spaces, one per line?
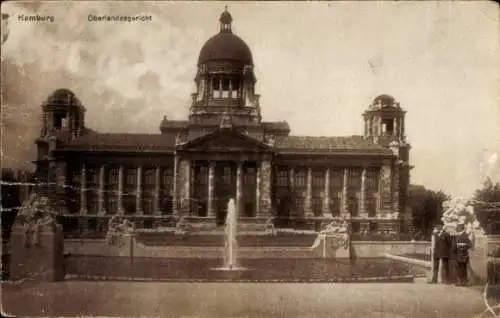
{"x":250,"y":159}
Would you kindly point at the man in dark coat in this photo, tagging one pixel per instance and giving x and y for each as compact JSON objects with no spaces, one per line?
{"x":462,"y":247}
{"x":440,"y":252}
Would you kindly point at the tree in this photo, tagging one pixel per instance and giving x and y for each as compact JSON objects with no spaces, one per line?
{"x":487,"y":206}
{"x":426,"y":207}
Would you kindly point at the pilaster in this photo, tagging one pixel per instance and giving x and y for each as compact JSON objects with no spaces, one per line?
{"x":345,"y":206}
{"x":156,"y":193}
{"x":395,"y":188}
{"x":83,"y":191}
{"x":101,"y":193}
{"x":385,"y":188}
{"x":211,"y":186}
{"x":184,"y":186}
{"x":239,"y":175}
{"x":265,"y":186}
{"x":257,"y":190}
{"x":308,"y":204}
{"x":121,"y":211}
{"x":176,"y":194}
{"x":326,"y":199}
{"x":362,"y":195}
{"x":138,"y":192}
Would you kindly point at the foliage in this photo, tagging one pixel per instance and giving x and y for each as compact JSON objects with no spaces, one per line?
{"x":487,"y":215}
{"x":426,"y":207}
{"x":37,"y":210}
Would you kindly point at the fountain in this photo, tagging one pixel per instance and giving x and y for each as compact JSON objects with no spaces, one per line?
{"x":230,"y":242}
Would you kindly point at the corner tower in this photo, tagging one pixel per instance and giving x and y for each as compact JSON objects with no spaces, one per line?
{"x":225,"y":81}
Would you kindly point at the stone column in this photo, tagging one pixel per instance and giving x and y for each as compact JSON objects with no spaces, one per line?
{"x":308,"y":204}
{"x":326,"y":199}
{"x":101,"y":208}
{"x":83,"y":191}
{"x":257,"y":191}
{"x":211,"y":187}
{"x":265,"y":186}
{"x":184,"y":186}
{"x":395,"y":127}
{"x":362,"y":196}
{"x":345,"y":205}
{"x":395,"y":188}
{"x":60,"y":184}
{"x":385,"y":191}
{"x":239,"y":182}
{"x":156,"y":193}
{"x":175,"y":196}
{"x":120,"y":191}
{"x":138,"y":192}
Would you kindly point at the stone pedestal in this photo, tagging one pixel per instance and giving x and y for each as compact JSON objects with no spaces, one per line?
{"x":37,"y":256}
{"x":479,"y":260}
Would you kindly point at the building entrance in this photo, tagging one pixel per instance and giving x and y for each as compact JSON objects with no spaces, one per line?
{"x":225,"y":188}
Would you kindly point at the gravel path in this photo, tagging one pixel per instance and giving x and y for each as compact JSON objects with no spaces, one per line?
{"x":241,"y":300}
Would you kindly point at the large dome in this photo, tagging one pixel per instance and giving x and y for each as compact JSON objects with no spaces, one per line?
{"x":225,"y":46}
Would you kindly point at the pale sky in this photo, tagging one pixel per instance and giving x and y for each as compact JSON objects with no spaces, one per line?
{"x":318,"y":65}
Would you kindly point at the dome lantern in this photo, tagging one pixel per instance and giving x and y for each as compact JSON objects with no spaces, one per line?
{"x":225,"y":21}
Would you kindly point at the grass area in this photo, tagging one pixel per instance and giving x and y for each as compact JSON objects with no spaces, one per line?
{"x":256,"y":269}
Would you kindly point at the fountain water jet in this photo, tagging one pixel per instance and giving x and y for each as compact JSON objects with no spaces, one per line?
{"x":230,"y":242}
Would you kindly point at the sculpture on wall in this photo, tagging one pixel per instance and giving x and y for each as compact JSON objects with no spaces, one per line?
{"x":36,"y":213}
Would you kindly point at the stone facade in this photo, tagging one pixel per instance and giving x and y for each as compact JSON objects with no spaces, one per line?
{"x":225,"y":150}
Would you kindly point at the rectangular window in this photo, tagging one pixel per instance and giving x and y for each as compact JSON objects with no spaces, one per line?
{"x":149,"y":178}
{"x":372,"y":179}
{"x":112,"y":205}
{"x":301,"y":178}
{"x":282,"y":178}
{"x":167,"y":178}
{"x":353,"y":206}
{"x":318,"y":179}
{"x":299,"y":204}
{"x":249,"y":176}
{"x":317,"y":205}
{"x":335,"y":206}
{"x":113,"y":176}
{"x":130,"y":177}
{"x":202,"y":175}
{"x":371,"y":206}
{"x":336,"y":180}
{"x":354,"y":178}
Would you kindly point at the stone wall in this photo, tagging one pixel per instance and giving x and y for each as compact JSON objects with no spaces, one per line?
{"x":370,"y":249}
{"x":483,"y":244}
{"x":358,"y":250}
{"x":37,"y":257}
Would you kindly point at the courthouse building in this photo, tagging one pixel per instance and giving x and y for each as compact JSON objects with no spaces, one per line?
{"x":223,"y":150}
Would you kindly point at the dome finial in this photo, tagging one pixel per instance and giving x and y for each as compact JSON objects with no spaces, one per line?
{"x":225,"y":21}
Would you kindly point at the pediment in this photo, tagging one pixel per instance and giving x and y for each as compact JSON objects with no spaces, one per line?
{"x":224,"y":140}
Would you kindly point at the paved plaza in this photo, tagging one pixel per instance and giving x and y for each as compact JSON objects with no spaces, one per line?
{"x":241,"y":300}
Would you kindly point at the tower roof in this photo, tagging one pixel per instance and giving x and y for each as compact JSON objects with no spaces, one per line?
{"x":225,"y":46}
{"x":62,"y":97}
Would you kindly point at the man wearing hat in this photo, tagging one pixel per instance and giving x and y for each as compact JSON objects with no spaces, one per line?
{"x":441,"y":251}
{"x":463,"y":244}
